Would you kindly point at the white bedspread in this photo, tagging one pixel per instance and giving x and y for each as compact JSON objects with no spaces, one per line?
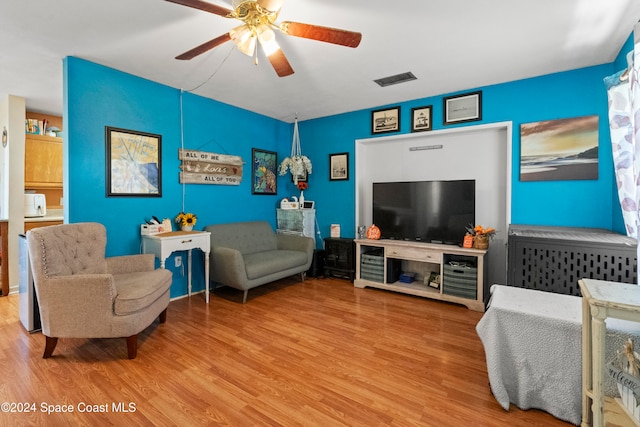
{"x":533,"y":345}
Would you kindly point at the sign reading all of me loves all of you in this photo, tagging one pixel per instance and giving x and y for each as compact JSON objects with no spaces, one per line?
{"x":199,"y":167}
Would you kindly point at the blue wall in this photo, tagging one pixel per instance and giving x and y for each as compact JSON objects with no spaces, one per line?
{"x":97,"y":96}
{"x":564,"y":203}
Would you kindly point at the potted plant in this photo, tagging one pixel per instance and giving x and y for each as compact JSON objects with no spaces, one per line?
{"x":186,"y":221}
{"x":481,"y":235}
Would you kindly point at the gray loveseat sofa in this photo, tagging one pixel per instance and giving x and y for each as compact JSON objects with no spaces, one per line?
{"x":249,"y":254}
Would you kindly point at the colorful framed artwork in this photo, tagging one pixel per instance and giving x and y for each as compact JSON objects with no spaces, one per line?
{"x":559,"y":150}
{"x":264,"y":172}
{"x":134,"y":163}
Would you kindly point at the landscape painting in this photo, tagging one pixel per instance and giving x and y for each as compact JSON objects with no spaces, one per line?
{"x":558,"y":150}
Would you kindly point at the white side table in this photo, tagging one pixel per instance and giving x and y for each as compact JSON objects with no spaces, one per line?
{"x":600,"y":300}
{"x":164,"y":244}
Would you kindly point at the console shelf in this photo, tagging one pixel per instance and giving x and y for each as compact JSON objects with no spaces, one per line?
{"x":462,"y":281}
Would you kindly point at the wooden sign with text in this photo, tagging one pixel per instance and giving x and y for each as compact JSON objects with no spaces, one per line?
{"x":199,"y":167}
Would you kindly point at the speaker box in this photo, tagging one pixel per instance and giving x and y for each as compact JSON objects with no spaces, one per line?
{"x":317,"y":264}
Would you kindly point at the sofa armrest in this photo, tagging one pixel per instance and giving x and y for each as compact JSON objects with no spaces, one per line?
{"x":72,"y":305}
{"x":130,"y":263}
{"x":227,"y":267}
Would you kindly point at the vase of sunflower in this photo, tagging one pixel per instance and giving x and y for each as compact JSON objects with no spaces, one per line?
{"x":186,"y":221}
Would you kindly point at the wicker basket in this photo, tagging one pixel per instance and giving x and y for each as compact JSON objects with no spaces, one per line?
{"x":481,"y":241}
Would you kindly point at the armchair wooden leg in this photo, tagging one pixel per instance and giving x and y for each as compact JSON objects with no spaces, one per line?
{"x":132,"y":346}
{"x":49,"y":346}
{"x":163,"y":316}
{"x":244,"y":297}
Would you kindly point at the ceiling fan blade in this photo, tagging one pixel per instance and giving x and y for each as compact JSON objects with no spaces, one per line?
{"x":280,"y":63}
{"x":271,"y":5}
{"x":204,"y":47}
{"x":323,"y":34}
{"x":203,"y":5}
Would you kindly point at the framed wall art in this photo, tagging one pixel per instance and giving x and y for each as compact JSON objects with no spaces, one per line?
{"x":264,"y":167}
{"x":134,"y":163}
{"x":421,"y":119}
{"x":387,"y":120}
{"x":559,"y":150}
{"x":339,"y":166}
{"x":462,"y":108}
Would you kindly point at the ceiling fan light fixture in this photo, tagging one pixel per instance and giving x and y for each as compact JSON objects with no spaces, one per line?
{"x":244,"y":39}
{"x":267,"y":39}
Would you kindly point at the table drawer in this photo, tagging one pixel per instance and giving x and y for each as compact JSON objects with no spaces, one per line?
{"x":414,"y":254}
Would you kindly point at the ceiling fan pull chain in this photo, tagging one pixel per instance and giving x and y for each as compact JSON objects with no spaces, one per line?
{"x":255,"y":51}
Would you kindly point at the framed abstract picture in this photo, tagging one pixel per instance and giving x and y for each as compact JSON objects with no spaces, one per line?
{"x":134,"y":163}
{"x":264,"y":168}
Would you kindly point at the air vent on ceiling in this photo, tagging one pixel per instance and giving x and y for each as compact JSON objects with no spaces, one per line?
{"x":394,"y":80}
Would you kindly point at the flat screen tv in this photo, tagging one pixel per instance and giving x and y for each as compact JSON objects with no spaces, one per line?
{"x":428,"y":211}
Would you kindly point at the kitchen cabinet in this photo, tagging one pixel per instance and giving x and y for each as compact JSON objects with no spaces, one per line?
{"x":43,"y":162}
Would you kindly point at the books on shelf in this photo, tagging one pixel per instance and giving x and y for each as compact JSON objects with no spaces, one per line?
{"x":35,"y":126}
{"x":39,"y":127}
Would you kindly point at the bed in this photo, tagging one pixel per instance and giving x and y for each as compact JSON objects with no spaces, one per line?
{"x":532,"y":341}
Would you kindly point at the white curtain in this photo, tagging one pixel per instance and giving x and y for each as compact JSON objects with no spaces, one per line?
{"x":623,"y":91}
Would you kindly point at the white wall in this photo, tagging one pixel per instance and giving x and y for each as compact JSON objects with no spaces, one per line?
{"x":480,"y":152}
{"x":12,"y":115}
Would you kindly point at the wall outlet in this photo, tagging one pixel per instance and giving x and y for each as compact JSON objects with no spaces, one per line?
{"x":178,"y":261}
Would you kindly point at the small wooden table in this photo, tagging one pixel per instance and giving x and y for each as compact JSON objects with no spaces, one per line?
{"x":164,"y":244}
{"x":600,"y":300}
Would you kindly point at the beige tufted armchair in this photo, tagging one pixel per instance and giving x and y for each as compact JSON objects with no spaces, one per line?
{"x":82,"y":294}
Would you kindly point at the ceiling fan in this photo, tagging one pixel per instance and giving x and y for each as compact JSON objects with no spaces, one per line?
{"x":258,"y":17}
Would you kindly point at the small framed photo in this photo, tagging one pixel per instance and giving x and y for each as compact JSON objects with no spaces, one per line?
{"x":387,"y":120}
{"x":264,"y":166}
{"x":434,"y":280}
{"x":421,"y":119}
{"x":134,"y":163}
{"x":304,"y":177}
{"x":339,"y":166}
{"x":462,"y":108}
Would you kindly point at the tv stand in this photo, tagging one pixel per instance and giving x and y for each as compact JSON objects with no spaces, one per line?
{"x":461,"y":270}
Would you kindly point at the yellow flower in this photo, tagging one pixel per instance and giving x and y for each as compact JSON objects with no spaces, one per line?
{"x":186,"y":219}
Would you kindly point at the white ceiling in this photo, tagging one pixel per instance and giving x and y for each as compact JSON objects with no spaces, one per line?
{"x":449,"y":45}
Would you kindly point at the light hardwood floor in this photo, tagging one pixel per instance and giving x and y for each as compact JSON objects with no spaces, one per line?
{"x":318,"y":353}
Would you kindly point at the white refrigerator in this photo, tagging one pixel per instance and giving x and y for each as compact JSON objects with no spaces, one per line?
{"x":27,"y":300}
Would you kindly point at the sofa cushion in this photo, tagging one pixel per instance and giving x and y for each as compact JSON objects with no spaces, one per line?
{"x":137,"y":291}
{"x":246,"y":237}
{"x":261,"y":264}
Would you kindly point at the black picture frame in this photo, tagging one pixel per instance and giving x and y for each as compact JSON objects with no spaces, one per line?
{"x":133,"y":163}
{"x":463,"y":108}
{"x":339,"y":167}
{"x":421,"y":118}
{"x":264,"y":172}
{"x":385,"y":121}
